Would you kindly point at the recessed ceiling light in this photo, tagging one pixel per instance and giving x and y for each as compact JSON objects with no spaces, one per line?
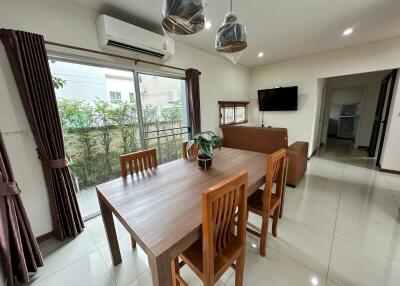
{"x":314,"y":281}
{"x":348,"y":32}
{"x":208,"y":25}
{"x":260,"y":54}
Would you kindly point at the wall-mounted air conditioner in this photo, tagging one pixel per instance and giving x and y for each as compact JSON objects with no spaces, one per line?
{"x":118,"y":35}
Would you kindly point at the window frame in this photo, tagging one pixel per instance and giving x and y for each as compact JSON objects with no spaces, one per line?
{"x":115,"y":94}
{"x":232,"y":104}
{"x":97,"y":62}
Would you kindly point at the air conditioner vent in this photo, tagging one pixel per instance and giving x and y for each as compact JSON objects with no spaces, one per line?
{"x":115,"y":34}
{"x":134,"y":49}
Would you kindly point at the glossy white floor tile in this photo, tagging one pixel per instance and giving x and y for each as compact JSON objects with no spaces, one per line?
{"x":310,"y":213}
{"x":356,"y":266}
{"x":369,"y":209}
{"x":365,"y":194}
{"x":58,"y":255}
{"x":396,"y":196}
{"x":276,"y":270}
{"x":318,"y":189}
{"x":331,"y":283}
{"x":341,"y":227}
{"x":96,"y":230}
{"x":134,"y":262}
{"x":304,"y":244}
{"x":89,"y":270}
{"x":393,"y":182}
{"x":143,"y":280}
{"x":380,"y":238}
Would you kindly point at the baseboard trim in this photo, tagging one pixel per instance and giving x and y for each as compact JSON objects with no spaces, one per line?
{"x":345,"y":138}
{"x":362,"y":147}
{"x":313,"y":153}
{"x":42,"y":238}
{"x":388,"y":171}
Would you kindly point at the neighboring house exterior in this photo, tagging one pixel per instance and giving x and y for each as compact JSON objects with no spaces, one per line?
{"x":82,"y":81}
{"x":93,"y":83}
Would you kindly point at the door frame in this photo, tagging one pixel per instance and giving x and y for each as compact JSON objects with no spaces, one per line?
{"x":321,"y":118}
{"x":392,"y":74}
{"x":373,"y":142}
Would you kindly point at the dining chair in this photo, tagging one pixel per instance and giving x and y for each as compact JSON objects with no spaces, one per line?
{"x":220,"y":246}
{"x":265,"y":203}
{"x":191,"y":153}
{"x":138,"y":162}
{"x":284,"y":186}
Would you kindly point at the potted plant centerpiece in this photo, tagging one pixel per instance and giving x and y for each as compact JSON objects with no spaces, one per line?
{"x":205,"y":143}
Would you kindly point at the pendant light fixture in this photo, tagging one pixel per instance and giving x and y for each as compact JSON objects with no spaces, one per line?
{"x":231,"y":37}
{"x":183,"y":17}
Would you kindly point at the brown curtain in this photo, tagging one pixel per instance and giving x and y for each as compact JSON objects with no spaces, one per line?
{"x":20,"y":253}
{"x":193,"y":85}
{"x":28,"y":59}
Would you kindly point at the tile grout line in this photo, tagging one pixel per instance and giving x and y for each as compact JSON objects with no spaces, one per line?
{"x":110,"y":269}
{"x":314,"y":202}
{"x":71,"y":263}
{"x":334,"y":229}
{"x":298,"y":262}
{"x":391,"y":192}
{"x":368,"y":249}
{"x":388,"y":188}
{"x":101,"y":255}
{"x":68,"y":264}
{"x":316,"y":229}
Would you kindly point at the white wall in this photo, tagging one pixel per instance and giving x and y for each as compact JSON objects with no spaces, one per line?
{"x":347,"y":95}
{"x":321,"y":96}
{"x":67,"y":23}
{"x":391,"y":152}
{"x":306,"y":71}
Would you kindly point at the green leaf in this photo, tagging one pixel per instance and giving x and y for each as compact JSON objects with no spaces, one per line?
{"x":206,"y":141}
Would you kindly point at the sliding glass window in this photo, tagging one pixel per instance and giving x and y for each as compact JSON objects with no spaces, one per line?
{"x":163,"y":103}
{"x":106,"y":112}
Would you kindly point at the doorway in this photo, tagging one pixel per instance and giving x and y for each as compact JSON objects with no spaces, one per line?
{"x":348,"y":106}
{"x":344,"y":114}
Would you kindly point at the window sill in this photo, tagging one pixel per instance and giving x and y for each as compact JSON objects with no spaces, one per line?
{"x":233,"y":123}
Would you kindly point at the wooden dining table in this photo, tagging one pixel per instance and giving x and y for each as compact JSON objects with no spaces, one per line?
{"x":161,"y":209}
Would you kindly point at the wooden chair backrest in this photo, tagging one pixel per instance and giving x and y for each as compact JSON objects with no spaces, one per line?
{"x":275,"y":174}
{"x":191,"y":153}
{"x":138,"y":162}
{"x":219,"y":205}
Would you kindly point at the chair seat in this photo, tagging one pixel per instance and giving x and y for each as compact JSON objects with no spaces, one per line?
{"x":255,"y":201}
{"x":193,"y":257}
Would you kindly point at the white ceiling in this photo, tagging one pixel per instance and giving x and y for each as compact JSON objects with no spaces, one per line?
{"x":282,"y":29}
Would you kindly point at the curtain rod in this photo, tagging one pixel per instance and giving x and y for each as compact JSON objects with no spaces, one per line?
{"x":111,"y":55}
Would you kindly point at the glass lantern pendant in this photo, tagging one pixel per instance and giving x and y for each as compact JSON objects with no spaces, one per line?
{"x":183,"y":17}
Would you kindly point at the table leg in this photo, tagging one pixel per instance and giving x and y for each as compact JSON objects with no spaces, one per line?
{"x":110,"y":231}
{"x":161,"y":270}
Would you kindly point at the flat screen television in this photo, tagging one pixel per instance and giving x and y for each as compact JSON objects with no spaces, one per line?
{"x":278,"y":99}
